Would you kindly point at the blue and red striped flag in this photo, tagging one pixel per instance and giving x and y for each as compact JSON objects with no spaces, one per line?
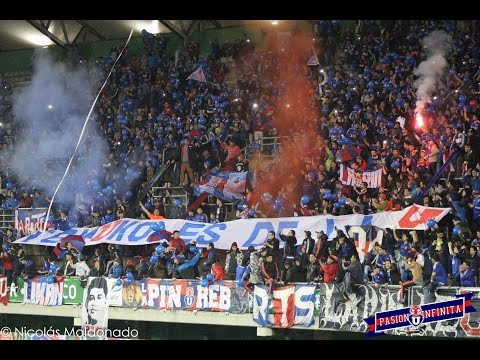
{"x":226,"y":185}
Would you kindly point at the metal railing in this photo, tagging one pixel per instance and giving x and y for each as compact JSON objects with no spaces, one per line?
{"x":7,"y":219}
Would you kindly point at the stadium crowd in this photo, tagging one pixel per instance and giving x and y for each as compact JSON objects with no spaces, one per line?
{"x":364,"y":99}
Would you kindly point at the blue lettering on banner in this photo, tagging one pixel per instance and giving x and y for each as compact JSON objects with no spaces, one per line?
{"x":267,"y":226}
{"x":213,"y":235}
{"x":330,"y":226}
{"x":90,"y":234}
{"x":120,"y":230}
{"x":133,"y":238}
{"x":287,"y":225}
{"x":188,"y":235}
{"x":49,"y":239}
{"x":367,"y":220}
{"x":70,"y":232}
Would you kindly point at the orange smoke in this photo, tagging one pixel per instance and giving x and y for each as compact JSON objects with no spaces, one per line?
{"x":295,"y":119}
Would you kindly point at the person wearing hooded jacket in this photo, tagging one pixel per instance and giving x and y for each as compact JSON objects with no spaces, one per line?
{"x":234,"y":258}
{"x":256,"y":259}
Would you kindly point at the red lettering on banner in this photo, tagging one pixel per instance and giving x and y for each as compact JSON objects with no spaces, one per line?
{"x":106,"y":230}
{"x":469,"y":330}
{"x":4,"y":293}
{"x":406,"y":221}
{"x":283,"y":303}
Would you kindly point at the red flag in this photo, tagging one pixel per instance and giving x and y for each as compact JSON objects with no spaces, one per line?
{"x":198,"y":75}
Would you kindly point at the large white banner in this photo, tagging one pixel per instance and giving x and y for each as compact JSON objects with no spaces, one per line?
{"x":245,"y":232}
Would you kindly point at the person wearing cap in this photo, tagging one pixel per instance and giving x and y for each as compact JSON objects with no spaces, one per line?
{"x":234,"y":258}
{"x":308,"y":242}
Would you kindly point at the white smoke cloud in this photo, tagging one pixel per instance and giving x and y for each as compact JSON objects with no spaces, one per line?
{"x":429,"y":71}
{"x":50,"y":113}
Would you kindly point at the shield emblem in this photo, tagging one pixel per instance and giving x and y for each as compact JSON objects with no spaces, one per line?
{"x":416,"y":316}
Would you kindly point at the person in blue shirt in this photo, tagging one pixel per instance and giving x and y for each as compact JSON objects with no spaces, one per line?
{"x":378,"y":276}
{"x":466,"y":275}
{"x":200,"y":216}
{"x":62,"y":222}
{"x":116,"y":270}
{"x":438,"y":278}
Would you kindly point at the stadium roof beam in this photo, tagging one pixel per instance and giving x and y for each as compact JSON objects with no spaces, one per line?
{"x":64,"y":29}
{"x":82,"y":30}
{"x":215,"y":23}
{"x":172,"y":28}
{"x":91,"y":30}
{"x":190,"y":27}
{"x":44,"y":31}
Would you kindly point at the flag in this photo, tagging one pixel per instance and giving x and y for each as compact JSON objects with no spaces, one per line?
{"x":352,"y":177}
{"x":304,"y":304}
{"x":313,"y":60}
{"x":226,"y":185}
{"x":40,"y":291}
{"x":4,"y":293}
{"x":198,"y":75}
{"x":283,"y":305}
{"x":261,"y":305}
{"x":364,"y":237}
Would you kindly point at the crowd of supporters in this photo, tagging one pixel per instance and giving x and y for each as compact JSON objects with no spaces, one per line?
{"x":364,"y":99}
